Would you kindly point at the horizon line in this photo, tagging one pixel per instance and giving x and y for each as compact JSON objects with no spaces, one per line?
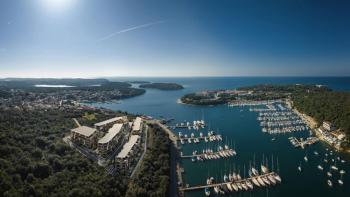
{"x":203,"y":76}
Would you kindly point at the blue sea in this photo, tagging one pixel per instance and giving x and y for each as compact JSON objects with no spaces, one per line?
{"x":239,"y":126}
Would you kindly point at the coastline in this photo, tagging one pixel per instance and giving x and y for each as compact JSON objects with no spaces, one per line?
{"x":313,"y":127}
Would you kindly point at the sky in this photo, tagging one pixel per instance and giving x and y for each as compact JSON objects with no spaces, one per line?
{"x":103,"y":38}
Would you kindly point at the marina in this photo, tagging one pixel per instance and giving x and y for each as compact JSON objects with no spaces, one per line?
{"x":277,"y":118}
{"x":241,"y":125}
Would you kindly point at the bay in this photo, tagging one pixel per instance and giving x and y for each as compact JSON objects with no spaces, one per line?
{"x":241,"y":127}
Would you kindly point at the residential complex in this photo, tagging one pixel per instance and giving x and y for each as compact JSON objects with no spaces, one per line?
{"x":117,"y":139}
{"x":84,"y":135}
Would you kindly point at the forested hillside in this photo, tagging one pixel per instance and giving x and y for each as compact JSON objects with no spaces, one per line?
{"x":326,"y":106}
{"x":34,"y":161}
{"x":153,"y":177}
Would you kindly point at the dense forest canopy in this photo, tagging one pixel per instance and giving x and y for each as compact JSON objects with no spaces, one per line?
{"x":153,"y":177}
{"x":326,"y":106}
{"x":35,"y":161}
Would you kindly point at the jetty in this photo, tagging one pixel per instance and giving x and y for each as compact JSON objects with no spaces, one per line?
{"x":250,"y":179}
{"x":302,"y":143}
{"x":194,"y":139}
{"x":212,"y":155}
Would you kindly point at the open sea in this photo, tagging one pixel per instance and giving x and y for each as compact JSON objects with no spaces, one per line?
{"x":240,"y":126}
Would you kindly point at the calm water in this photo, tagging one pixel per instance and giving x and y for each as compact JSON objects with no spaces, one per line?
{"x":241,"y":127}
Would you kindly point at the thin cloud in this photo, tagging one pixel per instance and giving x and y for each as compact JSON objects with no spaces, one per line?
{"x":129,"y":29}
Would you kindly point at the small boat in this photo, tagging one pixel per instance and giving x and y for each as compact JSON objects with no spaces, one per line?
{"x":245,"y":187}
{"x":273,"y":139}
{"x":261,"y":182}
{"x":271,"y":179}
{"x":239,"y":186}
{"x":216,"y":189}
{"x":255,"y":172}
{"x":340,"y":182}
{"x":320,"y":167}
{"x":266,"y":180}
{"x":329,"y":174}
{"x":234,"y":186}
{"x":264,"y":169}
{"x":278,"y":178}
{"x":249,"y":184}
{"x":207,"y":191}
{"x":229,"y":187}
{"x":193,"y":159}
{"x":329,"y":183}
{"x":299,"y":167}
{"x":255,"y":182}
{"x":334,"y":167}
{"x":316,"y":153}
{"x":342,"y":171}
{"x":306,"y":159}
{"x":343,"y":161}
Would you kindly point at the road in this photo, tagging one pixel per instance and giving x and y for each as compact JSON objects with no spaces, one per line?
{"x":142,"y":156}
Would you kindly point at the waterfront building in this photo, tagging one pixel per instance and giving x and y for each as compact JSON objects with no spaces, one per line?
{"x":104,"y":125}
{"x":328,"y":126}
{"x":84,"y":135}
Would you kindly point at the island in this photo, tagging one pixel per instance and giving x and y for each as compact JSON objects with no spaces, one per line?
{"x":162,"y":86}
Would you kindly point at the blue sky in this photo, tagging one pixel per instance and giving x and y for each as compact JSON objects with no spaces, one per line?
{"x":93,"y":38}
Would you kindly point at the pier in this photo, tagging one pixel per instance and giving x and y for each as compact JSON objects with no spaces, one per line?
{"x":302,"y":143}
{"x":209,"y":138}
{"x":212,"y":155}
{"x":198,"y":187}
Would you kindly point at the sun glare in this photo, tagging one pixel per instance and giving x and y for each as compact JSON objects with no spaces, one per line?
{"x":58,"y":5}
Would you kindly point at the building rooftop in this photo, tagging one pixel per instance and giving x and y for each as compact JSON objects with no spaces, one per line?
{"x":116,"y":128}
{"x":137,"y":124}
{"x":128,"y":146}
{"x":109,"y":121}
{"x":327,"y":122}
{"x":84,"y":130}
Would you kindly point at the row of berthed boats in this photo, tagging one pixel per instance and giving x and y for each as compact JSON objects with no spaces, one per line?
{"x":281,"y":120}
{"x":280,"y":123}
{"x":211,"y":137}
{"x":210,"y":154}
{"x":234,"y":182}
{"x":196,"y":125}
{"x":284,"y":129}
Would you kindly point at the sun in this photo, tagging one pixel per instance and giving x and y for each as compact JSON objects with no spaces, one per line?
{"x":58,"y":5}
